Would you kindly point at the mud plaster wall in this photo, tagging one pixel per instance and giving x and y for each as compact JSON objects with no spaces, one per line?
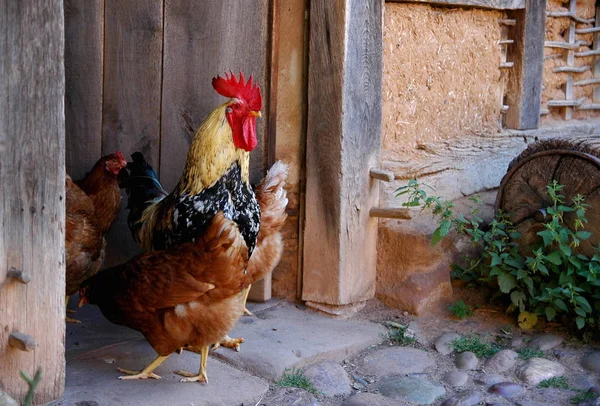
{"x":291,"y":86}
{"x":441,"y":79}
{"x":557,"y":29}
{"x":442,"y":98}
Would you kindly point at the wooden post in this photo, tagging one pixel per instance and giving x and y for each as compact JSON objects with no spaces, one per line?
{"x":32,"y":181}
{"x":343,"y":143}
{"x":524,"y":92}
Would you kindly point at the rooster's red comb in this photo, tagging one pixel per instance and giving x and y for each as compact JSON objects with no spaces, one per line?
{"x":229,"y":86}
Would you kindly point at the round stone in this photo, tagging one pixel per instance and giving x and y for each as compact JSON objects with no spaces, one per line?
{"x":466,"y":360}
{"x":329,"y":378}
{"x":546,"y":342}
{"x":443,"y":344}
{"x":537,"y":370}
{"x":591,"y":361}
{"x":506,"y":389}
{"x":501,"y":361}
{"x":456,"y":378}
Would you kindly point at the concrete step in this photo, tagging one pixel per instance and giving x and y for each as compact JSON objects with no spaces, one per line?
{"x":283,"y":336}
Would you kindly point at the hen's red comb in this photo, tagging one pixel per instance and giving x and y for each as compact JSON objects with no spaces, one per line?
{"x":229,"y":86}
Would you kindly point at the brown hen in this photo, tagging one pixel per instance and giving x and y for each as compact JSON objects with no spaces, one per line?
{"x":190,"y":295}
{"x":91,"y":208}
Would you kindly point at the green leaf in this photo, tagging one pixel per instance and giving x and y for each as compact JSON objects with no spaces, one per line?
{"x":445,"y":227}
{"x":580,"y":322}
{"x":436,"y":237}
{"x":518,"y":298}
{"x":565,"y":209}
{"x":584,"y":303}
{"x":580,"y":311}
{"x":547,"y":236}
{"x":576,"y":261}
{"x":560,"y":304}
{"x":506,"y":282}
{"x":495,"y":259}
{"x":555,"y":258}
{"x":583,"y":235}
{"x":521,"y":273}
{"x":515,"y":262}
{"x":550,"y":313}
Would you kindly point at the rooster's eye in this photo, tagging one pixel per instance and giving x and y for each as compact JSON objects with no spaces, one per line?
{"x":236,"y":106}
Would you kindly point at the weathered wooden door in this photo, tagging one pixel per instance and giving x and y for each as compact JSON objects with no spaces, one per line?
{"x":139,"y":79}
{"x":32,"y":185}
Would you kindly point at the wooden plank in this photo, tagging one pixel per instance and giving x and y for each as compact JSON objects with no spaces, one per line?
{"x":32,"y":180}
{"x":595,"y":47}
{"x":198,"y":46}
{"x":132,"y":93}
{"x":570,"y":61}
{"x":380,"y":174}
{"x":391,"y":212}
{"x":489,"y":4}
{"x":343,"y":143}
{"x":524,"y":90}
{"x":84,"y":38}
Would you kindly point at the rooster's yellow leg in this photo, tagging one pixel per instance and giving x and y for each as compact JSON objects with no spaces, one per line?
{"x":246,"y":292}
{"x":67,"y":318}
{"x":146,"y":372}
{"x":201,"y":376}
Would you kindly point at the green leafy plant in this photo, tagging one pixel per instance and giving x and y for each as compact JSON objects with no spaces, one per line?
{"x":476,"y":345}
{"x":461,"y":309}
{"x":32,"y":383}
{"x":553,"y":280}
{"x":555,"y":382}
{"x":295,"y":378}
{"x":583,"y":396}
{"x":528,"y":353}
{"x":397,"y":333}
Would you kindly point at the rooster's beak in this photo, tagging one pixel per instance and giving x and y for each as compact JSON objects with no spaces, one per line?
{"x":255,"y":113}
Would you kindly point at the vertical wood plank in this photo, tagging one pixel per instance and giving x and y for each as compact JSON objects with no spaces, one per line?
{"x":596,"y":63}
{"x":132,"y":94}
{"x":569,"y":93}
{"x":524,"y":90}
{"x":343,"y":143}
{"x":201,"y":43}
{"x":84,"y":40}
{"x":32,"y":180}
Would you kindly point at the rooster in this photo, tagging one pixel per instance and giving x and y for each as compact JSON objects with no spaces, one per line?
{"x":215,"y":178}
{"x":92,"y":205}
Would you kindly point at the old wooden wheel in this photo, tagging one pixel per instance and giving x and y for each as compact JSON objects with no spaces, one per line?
{"x":574,"y":163}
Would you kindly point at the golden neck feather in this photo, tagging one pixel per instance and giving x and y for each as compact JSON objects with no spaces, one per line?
{"x":211,"y":153}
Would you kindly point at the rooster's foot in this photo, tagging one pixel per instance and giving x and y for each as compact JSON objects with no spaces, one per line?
{"x":248,"y":312}
{"x":190,"y":377}
{"x":137,"y":374}
{"x":71,"y":320}
{"x":228,"y":342}
{"x":71,"y":311}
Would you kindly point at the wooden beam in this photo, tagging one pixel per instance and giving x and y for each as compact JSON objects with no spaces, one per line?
{"x":524,"y":91}
{"x":32,"y":181}
{"x":489,"y":4}
{"x":381,"y":174}
{"x":343,"y":143}
{"x":391,"y":212}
